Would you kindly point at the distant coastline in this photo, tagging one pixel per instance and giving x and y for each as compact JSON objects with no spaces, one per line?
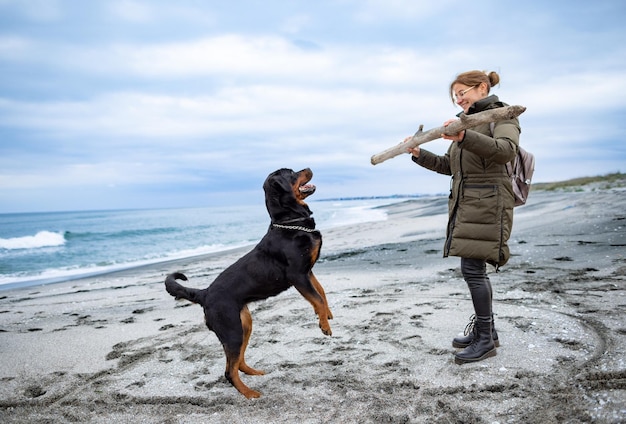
{"x":612,"y":180}
{"x":391,"y":197}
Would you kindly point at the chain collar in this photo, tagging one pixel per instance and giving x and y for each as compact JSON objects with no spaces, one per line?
{"x":295,"y":227}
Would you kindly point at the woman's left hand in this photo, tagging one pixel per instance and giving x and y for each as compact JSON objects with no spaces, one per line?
{"x":458,"y":137}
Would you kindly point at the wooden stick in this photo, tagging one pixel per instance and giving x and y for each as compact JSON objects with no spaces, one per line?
{"x":466,"y":121}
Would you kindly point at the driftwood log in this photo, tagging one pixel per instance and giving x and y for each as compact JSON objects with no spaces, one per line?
{"x":465,"y":122}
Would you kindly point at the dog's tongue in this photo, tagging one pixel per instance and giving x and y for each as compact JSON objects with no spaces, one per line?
{"x":307,"y":188}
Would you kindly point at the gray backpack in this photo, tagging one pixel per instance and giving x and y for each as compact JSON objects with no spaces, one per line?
{"x":521,"y":171}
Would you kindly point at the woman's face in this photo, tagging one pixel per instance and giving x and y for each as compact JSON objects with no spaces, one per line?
{"x":467,"y":95}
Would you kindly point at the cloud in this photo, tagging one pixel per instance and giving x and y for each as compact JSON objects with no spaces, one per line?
{"x":296,"y":23}
{"x":375,"y":11}
{"x":41,"y":11}
{"x":133,"y":11}
{"x":140,"y":97}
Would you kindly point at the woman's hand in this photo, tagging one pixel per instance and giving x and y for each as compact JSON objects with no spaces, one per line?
{"x":415,"y":151}
{"x":458,"y":137}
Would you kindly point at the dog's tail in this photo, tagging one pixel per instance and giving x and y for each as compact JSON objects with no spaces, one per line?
{"x":180,"y":291}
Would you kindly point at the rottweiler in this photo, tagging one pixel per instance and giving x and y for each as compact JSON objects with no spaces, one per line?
{"x":283,"y":258}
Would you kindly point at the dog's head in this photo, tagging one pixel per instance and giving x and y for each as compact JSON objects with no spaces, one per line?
{"x":285,"y":191}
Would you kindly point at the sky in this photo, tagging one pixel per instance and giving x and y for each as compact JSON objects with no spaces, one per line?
{"x":116,"y":104}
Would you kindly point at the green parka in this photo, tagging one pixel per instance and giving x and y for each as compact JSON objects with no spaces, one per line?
{"x":480,"y":206}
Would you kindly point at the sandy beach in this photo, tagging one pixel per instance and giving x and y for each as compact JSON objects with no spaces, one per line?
{"x":118,"y":348}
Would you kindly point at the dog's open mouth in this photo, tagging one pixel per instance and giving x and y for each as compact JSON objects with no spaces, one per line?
{"x":307,"y":189}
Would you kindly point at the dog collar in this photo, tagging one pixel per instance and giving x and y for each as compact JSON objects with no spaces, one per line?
{"x":295,"y":227}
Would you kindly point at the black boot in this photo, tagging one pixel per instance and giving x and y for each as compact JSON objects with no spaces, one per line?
{"x":482,"y":346}
{"x":470,"y":333}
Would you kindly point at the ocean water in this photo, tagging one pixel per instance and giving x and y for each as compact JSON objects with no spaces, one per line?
{"x":41,"y":248}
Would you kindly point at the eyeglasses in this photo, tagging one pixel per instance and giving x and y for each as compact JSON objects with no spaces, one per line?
{"x":463,"y":92}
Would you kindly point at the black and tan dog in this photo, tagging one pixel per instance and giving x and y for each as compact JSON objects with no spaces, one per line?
{"x":283,"y":258}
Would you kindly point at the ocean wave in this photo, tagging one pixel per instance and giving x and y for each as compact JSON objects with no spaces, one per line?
{"x":107,"y":242}
{"x":39,"y":240}
{"x":54,"y":275}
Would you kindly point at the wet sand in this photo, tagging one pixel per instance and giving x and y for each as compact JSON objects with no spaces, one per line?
{"x":118,"y":348}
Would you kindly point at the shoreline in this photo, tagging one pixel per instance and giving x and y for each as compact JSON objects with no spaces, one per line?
{"x":117,"y":347}
{"x":69,"y":273}
{"x":241,"y":249}
{"x":104,"y":273}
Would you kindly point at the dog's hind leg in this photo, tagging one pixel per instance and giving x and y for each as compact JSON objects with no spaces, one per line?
{"x":320,"y":290}
{"x":232,"y":374}
{"x":246,"y":324}
{"x":229,"y":331}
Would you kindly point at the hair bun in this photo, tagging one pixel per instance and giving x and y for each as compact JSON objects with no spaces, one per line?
{"x":494,"y":78}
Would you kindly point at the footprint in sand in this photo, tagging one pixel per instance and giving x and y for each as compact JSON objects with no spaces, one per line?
{"x":34,"y":391}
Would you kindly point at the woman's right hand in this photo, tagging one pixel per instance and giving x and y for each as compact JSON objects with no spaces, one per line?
{"x":415,"y":151}
{"x":458,"y":137}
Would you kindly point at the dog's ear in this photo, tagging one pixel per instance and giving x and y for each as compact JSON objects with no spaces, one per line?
{"x":282,"y":184}
{"x":280,"y":180}
{"x":279,"y":197}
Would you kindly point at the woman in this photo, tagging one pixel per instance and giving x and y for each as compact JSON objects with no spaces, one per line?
{"x":480,"y":206}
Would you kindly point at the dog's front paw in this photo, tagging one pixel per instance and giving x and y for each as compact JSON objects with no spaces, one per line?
{"x":252,"y":394}
{"x":326,"y":330}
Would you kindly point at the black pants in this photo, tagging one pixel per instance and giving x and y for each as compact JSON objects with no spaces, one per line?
{"x":475,"y":274}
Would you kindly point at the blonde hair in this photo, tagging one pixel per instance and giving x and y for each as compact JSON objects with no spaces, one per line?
{"x":473,"y":78}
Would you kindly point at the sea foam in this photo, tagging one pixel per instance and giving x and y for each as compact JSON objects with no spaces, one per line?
{"x":39,"y":240}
